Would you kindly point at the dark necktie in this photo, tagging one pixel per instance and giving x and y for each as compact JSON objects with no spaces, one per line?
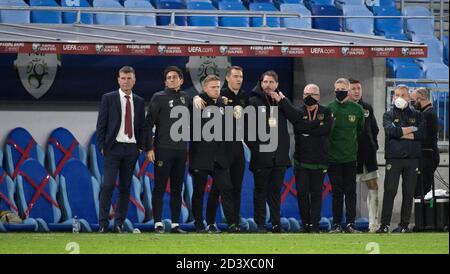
{"x":128,"y":127}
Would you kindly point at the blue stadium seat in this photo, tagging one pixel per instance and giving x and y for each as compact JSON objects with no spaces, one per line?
{"x":289,"y":200}
{"x":46,"y":17}
{"x":387,"y":3}
{"x":15,"y":16}
{"x":71,"y":17}
{"x":233,"y":21}
{"x":258,"y":21}
{"x":388,"y":26}
{"x":409,"y":71}
{"x":437,"y":71}
{"x":341,"y":3}
{"x":108,"y":18}
{"x":397,"y":36}
{"x":61,"y":147}
{"x":441,"y":104}
{"x":418,"y":26}
{"x":445,"y":44}
{"x":357,"y":25}
{"x":7,"y":203}
{"x":36,"y":197}
{"x":435,"y":51}
{"x":295,"y":22}
{"x":20,"y":146}
{"x":140,"y":20}
{"x":202,"y":21}
{"x":334,"y":24}
{"x":95,"y":159}
{"x":164,"y":20}
{"x":393,"y":63}
{"x":310,"y":3}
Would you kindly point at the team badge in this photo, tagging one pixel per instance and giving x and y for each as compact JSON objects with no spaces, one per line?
{"x":159,"y":163}
{"x":366,"y":113}
{"x":237,"y":112}
{"x":351,"y":118}
{"x":396,"y":120}
{"x":183,"y":101}
{"x":320,"y":116}
{"x":412,"y":120}
{"x":388,"y":166}
{"x":171,"y":103}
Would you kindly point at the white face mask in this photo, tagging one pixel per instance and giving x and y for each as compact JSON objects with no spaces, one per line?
{"x":400,"y":103}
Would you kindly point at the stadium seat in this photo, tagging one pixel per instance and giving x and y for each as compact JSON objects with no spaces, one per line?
{"x":140,"y":20}
{"x":310,"y":3}
{"x":334,"y":24}
{"x":164,"y":20}
{"x":435,"y":51}
{"x":20,"y":146}
{"x":258,"y":21}
{"x":418,"y":26}
{"x":15,"y":16}
{"x":398,"y":36}
{"x":71,"y":17}
{"x":445,"y":44}
{"x":202,"y":21}
{"x":409,"y":71}
{"x":227,"y":21}
{"x":388,"y":26}
{"x":61,"y":147}
{"x":441,"y":104}
{"x":393,"y":63}
{"x":46,"y":17}
{"x":289,"y":200}
{"x":95,"y":159}
{"x":387,"y":3}
{"x":357,"y":25}
{"x":436,"y":71}
{"x":36,"y":197}
{"x":7,"y":203}
{"x":341,"y":3}
{"x":108,"y":18}
{"x":295,"y":22}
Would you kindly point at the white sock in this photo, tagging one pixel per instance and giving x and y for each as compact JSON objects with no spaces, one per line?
{"x":158,"y":224}
{"x":175,"y":225}
{"x":372,"y":206}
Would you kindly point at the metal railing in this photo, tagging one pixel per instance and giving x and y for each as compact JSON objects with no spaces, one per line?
{"x":439,"y":96}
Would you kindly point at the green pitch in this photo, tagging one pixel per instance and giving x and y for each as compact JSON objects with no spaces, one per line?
{"x":224,"y":243}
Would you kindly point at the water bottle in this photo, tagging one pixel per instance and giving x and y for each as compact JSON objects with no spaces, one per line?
{"x":75,"y":225}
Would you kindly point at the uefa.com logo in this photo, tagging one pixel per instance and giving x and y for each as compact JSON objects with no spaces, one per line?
{"x":220,"y":126}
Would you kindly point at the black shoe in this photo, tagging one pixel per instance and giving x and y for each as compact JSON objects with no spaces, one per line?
{"x":103,"y":229}
{"x":336,"y":228}
{"x":383,"y":229}
{"x":277,"y":229}
{"x":212,"y":229}
{"x":305,"y":228}
{"x":261,"y":229}
{"x":159,"y":229}
{"x":177,"y":230}
{"x":200,"y":229}
{"x":233,"y":228}
{"x":402,"y":229}
{"x":118,"y":229}
{"x":314,"y":229}
{"x":351,"y":228}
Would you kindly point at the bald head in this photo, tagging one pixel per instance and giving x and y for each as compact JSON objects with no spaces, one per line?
{"x":421,"y":97}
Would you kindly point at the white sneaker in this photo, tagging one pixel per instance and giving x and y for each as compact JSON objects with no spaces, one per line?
{"x":373,"y":228}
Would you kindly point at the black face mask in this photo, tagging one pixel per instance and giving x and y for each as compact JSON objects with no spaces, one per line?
{"x":416,"y":105}
{"x":309,"y":101}
{"x":341,"y":94}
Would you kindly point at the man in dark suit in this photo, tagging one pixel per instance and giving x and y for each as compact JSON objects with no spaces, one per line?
{"x":120,"y":129}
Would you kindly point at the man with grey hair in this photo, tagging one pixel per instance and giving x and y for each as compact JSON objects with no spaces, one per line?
{"x":348,"y":125}
{"x":404,"y":131}
{"x":430,"y":152}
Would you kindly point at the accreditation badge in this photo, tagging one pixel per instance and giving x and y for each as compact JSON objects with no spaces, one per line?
{"x":183,"y":101}
{"x":272,"y":122}
{"x":320,"y":116}
{"x":351,"y":118}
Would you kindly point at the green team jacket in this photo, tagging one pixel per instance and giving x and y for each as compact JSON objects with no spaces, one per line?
{"x":348,"y":124}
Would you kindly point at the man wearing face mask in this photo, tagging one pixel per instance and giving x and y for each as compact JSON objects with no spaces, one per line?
{"x":312,"y":127}
{"x":404,"y":130}
{"x":430,"y":151}
{"x":367,"y":166}
{"x":348,"y":125}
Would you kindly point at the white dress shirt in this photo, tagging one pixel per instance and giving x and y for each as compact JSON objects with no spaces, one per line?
{"x":121,"y":136}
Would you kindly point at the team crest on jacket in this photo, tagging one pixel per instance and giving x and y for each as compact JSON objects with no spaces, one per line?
{"x":412,"y":120}
{"x":237,"y":112}
{"x":159,"y":163}
{"x":351,"y":118}
{"x":320,"y":117}
{"x":183,"y":101}
{"x":366,"y":113}
{"x":388,"y":166}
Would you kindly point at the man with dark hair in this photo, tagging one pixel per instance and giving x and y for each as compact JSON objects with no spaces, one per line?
{"x":120,"y":137}
{"x":169,"y":156}
{"x":349,"y":123}
{"x":404,"y":129}
{"x":367,"y":166}
{"x":430,"y":151}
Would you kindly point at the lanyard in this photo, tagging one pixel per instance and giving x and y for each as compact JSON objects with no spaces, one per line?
{"x":315,"y":113}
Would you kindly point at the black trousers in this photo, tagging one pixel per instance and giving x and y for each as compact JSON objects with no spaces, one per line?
{"x":343,"y":183}
{"x":428,"y":165}
{"x":169,"y":164}
{"x":221,"y":177}
{"x":408,"y":169}
{"x":309,"y":192}
{"x":268,"y":183}
{"x":237,"y":168}
{"x":121,"y":158}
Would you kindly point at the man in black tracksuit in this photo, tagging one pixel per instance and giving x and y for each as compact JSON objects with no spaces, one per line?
{"x":238,"y":99}
{"x":211,"y":158}
{"x":404,"y":129}
{"x":269,"y":167}
{"x":312,"y":127}
{"x":169,"y":156}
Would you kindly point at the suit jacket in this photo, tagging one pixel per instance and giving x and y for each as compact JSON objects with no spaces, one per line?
{"x":110,"y":117}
